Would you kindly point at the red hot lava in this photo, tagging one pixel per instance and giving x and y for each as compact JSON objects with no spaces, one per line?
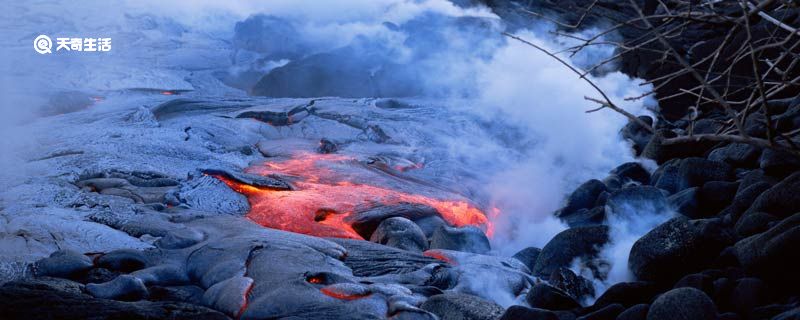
{"x":330,"y":187}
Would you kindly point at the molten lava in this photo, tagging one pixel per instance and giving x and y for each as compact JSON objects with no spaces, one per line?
{"x":343,"y":295}
{"x":328,"y":188}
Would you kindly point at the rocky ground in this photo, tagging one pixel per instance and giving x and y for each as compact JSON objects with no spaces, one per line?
{"x":128,"y":217}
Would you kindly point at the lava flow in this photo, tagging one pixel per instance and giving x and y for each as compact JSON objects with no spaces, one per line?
{"x":328,"y":188}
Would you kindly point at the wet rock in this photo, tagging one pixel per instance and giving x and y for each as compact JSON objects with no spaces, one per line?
{"x":686,"y":202}
{"x":766,"y":254}
{"x":699,"y":281}
{"x":400,"y":233}
{"x":124,"y":287}
{"x":63,"y":264}
{"x":637,"y":312}
{"x":781,"y":199}
{"x":583,"y":197}
{"x":679,"y":174}
{"x":528,"y":256}
{"x":637,"y":134}
{"x":629,"y":203}
{"x":778,"y":163}
{"x":608,"y":312}
{"x":682,"y":304}
{"x":123,"y":260}
{"x":580,"y":242}
{"x":716,"y":195}
{"x":628,"y":294}
{"x":466,"y":239}
{"x":458,"y":306}
{"x":585,"y":217}
{"x":677,"y":247}
{"x":632,"y":171}
{"x":744,"y":199}
{"x":740,"y":155}
{"x":754,"y":223}
{"x":525,"y":313}
{"x":545,"y":296}
{"x":574,"y":285}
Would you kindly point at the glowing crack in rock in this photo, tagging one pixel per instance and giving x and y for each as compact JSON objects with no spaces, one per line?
{"x":328,"y":188}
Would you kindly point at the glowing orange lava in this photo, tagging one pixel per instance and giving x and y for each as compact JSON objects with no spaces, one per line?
{"x":327,"y":188}
{"x":341,"y":295}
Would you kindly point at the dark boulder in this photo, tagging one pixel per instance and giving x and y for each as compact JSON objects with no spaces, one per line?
{"x":754,"y":223}
{"x":637,"y":312}
{"x":767,"y":254}
{"x":609,"y":312}
{"x":781,"y":200}
{"x":677,"y":247}
{"x":528,"y":256}
{"x":637,"y":134}
{"x":63,"y":264}
{"x":545,"y":296}
{"x":628,"y":294}
{"x":633,"y":202}
{"x":682,"y":304}
{"x":583,"y":197}
{"x":466,"y":239}
{"x":580,"y":242}
{"x":400,"y":233}
{"x":585,"y":217}
{"x":699,"y":281}
{"x":632,"y":171}
{"x":574,"y":285}
{"x":687,"y":203}
{"x":716,"y":195}
{"x":525,"y":313}
{"x":740,"y":155}
{"x":459,"y":306}
{"x":756,"y":176}
{"x":679,"y":174}
{"x":744,"y":199}
{"x":778,"y":163}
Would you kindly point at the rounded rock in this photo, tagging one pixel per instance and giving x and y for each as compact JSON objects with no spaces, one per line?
{"x":682,"y":304}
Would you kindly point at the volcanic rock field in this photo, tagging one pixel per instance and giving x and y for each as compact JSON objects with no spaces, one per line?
{"x":343,"y":184}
